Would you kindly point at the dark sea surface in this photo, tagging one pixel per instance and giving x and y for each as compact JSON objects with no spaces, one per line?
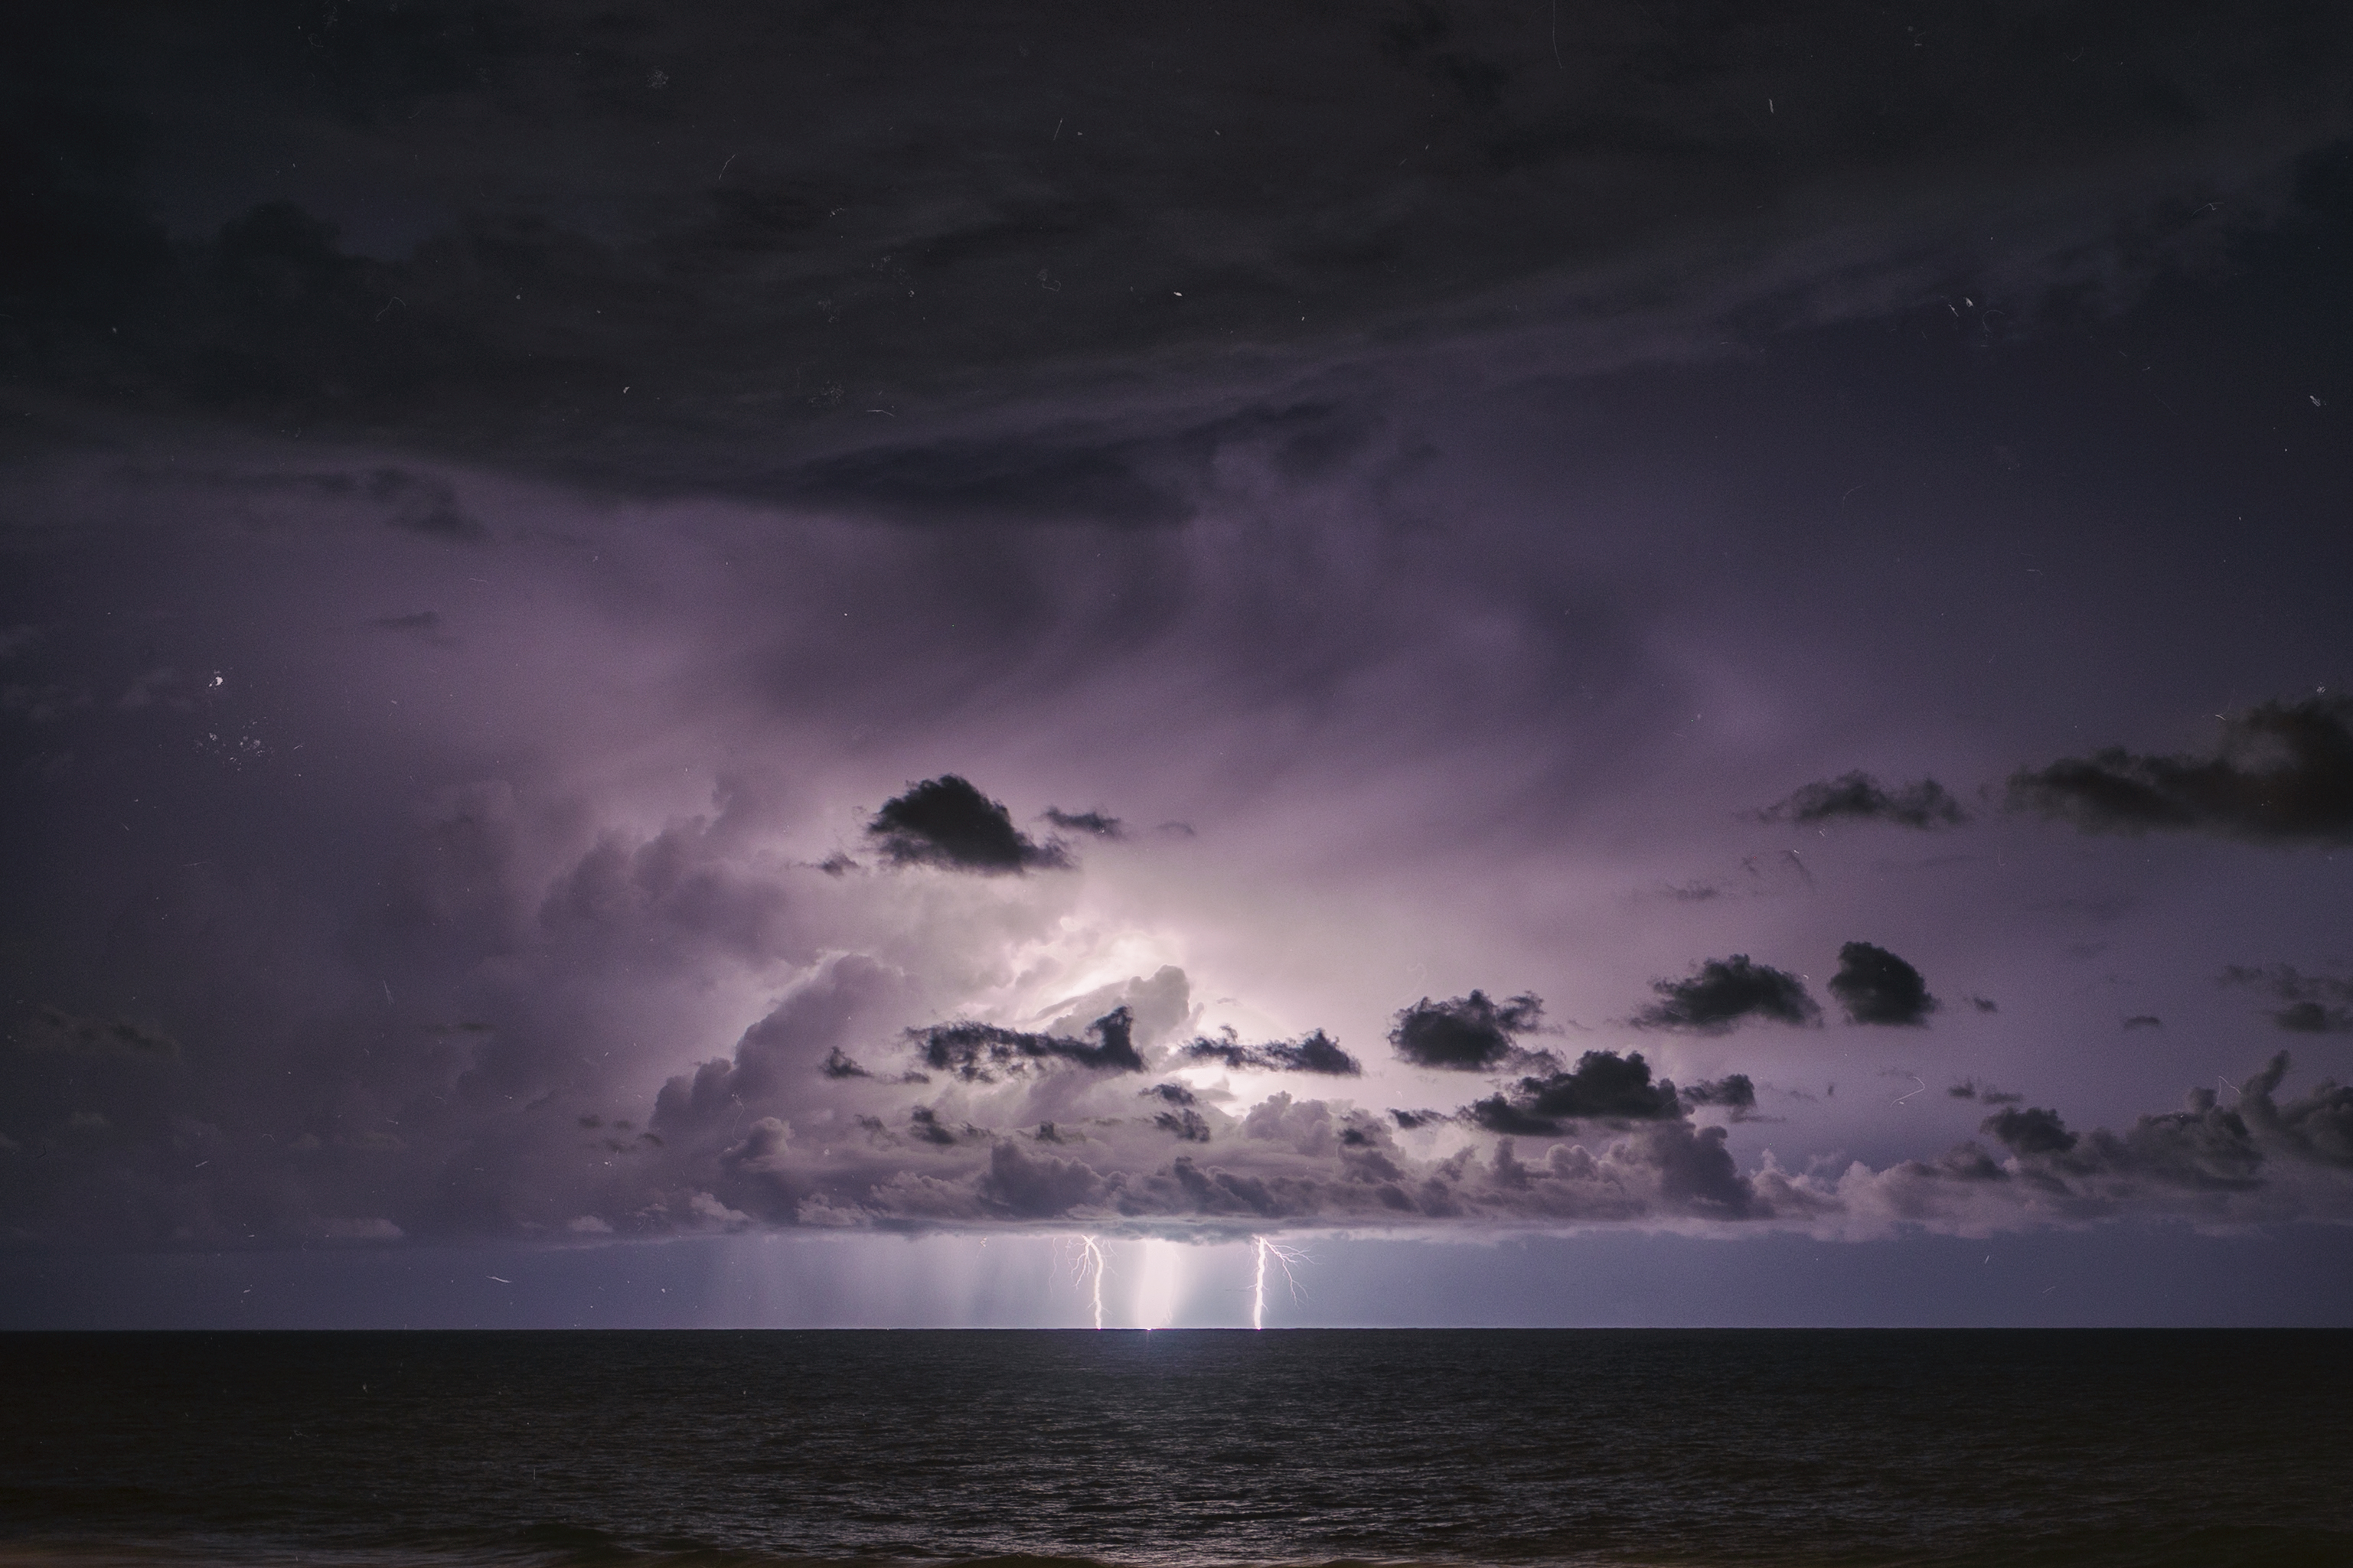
{"x":1180,"y":1447}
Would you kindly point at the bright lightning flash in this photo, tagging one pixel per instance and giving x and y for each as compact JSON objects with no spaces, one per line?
{"x":1283,"y":1257}
{"x":1090,"y":1270}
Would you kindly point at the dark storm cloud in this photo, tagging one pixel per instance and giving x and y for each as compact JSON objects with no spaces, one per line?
{"x":2031,"y":1132}
{"x":2314,"y":1004}
{"x":981,"y":1051}
{"x":2205,"y":1146}
{"x":2284,"y":774}
{"x":479,"y":231}
{"x":916,"y":319}
{"x":1603,"y":1086}
{"x":1464,"y":1034}
{"x":1187,"y":1125}
{"x":2316,"y":1126}
{"x":1734,"y":1091}
{"x":1313,"y":1052}
{"x":1877,"y":987}
{"x":1723,"y":991}
{"x":1093,"y":822}
{"x":1023,"y":1185}
{"x":1859,"y":797}
{"x":945,"y":822}
{"x":923,"y":1124}
{"x":837,"y":1064}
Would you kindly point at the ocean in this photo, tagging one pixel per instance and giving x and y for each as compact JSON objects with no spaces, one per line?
{"x":749,"y":1449}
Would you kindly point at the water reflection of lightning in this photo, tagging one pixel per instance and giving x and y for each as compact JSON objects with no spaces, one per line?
{"x":1284,"y":1258}
{"x":1090,"y":1267}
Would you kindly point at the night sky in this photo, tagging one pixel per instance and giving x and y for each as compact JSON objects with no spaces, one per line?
{"x":1527,"y":649}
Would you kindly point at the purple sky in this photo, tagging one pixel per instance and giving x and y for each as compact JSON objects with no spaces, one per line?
{"x":639,"y":631}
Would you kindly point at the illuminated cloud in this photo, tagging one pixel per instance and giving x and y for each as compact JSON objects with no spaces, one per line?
{"x":491,"y":589}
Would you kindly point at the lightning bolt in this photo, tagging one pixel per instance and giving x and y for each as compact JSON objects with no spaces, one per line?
{"x":1284,"y":1258}
{"x":1089,"y":1268}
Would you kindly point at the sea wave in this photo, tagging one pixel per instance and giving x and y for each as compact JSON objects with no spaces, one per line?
{"x":555,"y":1546}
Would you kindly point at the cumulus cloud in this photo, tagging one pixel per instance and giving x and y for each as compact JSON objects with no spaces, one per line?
{"x":983,"y":1052}
{"x":2282,"y":774}
{"x":1315,"y":1052}
{"x":1725,"y":991}
{"x":1464,"y":1034}
{"x":2031,"y":1132}
{"x":2313,"y":1004}
{"x":945,"y":822}
{"x":1603,"y":1086}
{"x":2256,"y":1160}
{"x":1733,"y":1092}
{"x":1859,"y":797}
{"x":1877,"y":987}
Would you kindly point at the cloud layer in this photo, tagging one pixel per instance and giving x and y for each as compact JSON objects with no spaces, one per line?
{"x":2282,"y":774}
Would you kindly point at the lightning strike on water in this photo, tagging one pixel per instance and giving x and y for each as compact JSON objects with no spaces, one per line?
{"x":1284,"y":1258}
{"x":1090,"y":1272}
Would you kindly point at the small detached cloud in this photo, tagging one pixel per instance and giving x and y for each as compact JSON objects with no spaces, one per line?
{"x":2144,"y":1021}
{"x":2314,"y":1003}
{"x":1984,"y":1093}
{"x":1877,"y":987}
{"x":2032,"y":1130}
{"x":1723,"y":991}
{"x":2284,"y":774}
{"x":1464,"y":1034}
{"x":1859,"y":797}
{"x":1313,"y":1052}
{"x":981,"y":1053}
{"x":1093,"y":822}
{"x":1733,"y":1092}
{"x":946,"y":823}
{"x":1604,"y":1087}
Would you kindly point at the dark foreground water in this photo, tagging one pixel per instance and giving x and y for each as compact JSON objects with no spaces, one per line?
{"x":1298,"y":1447}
